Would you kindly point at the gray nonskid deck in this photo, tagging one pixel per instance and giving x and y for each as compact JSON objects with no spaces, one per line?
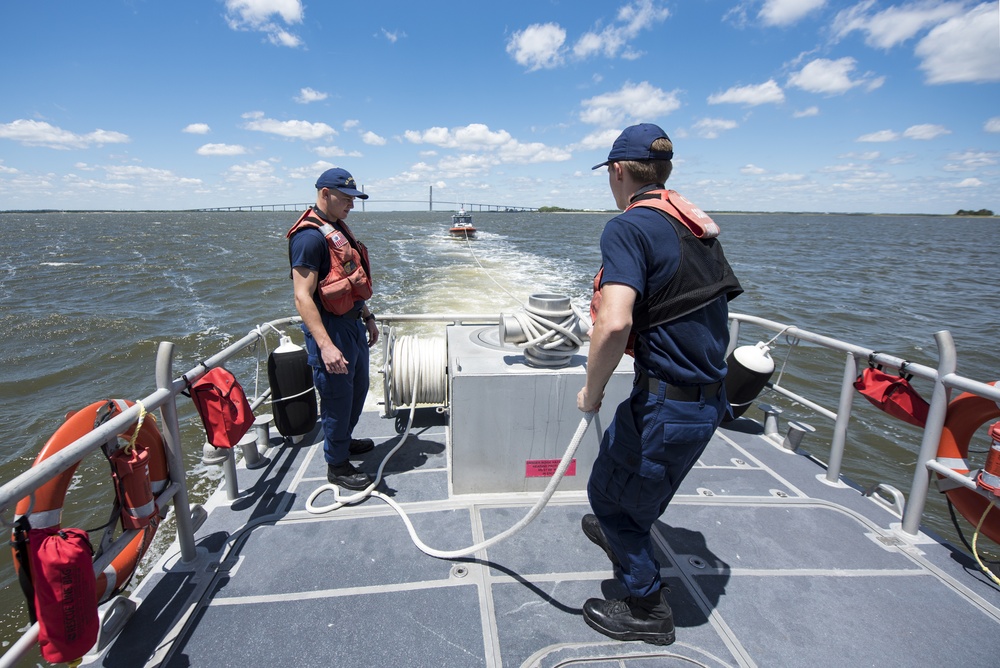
{"x":766,"y":566}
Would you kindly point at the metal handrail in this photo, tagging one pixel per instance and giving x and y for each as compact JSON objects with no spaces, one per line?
{"x":164,"y":398}
{"x":944,"y":378}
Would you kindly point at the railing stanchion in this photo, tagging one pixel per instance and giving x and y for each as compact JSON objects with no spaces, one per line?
{"x":932,"y":434}
{"x":839,"y":440}
{"x":175,"y":459}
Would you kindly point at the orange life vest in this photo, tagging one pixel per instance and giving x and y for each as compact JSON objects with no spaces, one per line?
{"x":704,"y":229}
{"x":349,"y":279}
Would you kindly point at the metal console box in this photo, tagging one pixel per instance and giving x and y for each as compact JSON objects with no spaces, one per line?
{"x":531,"y":416}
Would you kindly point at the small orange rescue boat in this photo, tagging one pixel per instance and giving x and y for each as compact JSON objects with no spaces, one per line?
{"x":461,"y":225}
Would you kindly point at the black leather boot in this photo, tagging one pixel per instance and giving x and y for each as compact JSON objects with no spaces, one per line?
{"x":360,"y":445}
{"x":648,"y":619}
{"x":592,"y":530}
{"x":348,"y":476}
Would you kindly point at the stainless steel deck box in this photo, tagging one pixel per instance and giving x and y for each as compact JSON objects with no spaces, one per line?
{"x":515,"y":444}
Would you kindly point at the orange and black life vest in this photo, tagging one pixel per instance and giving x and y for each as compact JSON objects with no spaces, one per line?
{"x":703,"y":274}
{"x":349,"y":279}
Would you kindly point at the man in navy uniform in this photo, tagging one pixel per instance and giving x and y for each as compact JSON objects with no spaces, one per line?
{"x":662,"y":292}
{"x":331,"y":279}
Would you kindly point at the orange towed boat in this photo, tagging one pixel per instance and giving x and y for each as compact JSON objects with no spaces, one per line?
{"x":461,"y":225}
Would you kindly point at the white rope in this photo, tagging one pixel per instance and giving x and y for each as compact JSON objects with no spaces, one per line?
{"x":550,"y":342}
{"x":550,"y":489}
{"x":419,"y":370}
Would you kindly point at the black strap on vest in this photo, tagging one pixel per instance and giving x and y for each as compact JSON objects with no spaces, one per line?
{"x":19,"y":542}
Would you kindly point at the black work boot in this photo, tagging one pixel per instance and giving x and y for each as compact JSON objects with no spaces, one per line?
{"x":648,"y":619}
{"x":592,"y":530}
{"x":348,"y":476}
{"x":360,"y":445}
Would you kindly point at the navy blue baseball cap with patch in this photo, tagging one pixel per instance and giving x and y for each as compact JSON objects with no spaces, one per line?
{"x":634,"y":142}
{"x":341,"y":180}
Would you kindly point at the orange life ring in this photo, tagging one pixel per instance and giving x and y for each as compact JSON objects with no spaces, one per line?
{"x":966,"y":414}
{"x":44,"y":509}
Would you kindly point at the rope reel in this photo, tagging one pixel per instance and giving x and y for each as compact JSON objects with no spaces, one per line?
{"x":550,"y":329}
{"x":410,"y":358}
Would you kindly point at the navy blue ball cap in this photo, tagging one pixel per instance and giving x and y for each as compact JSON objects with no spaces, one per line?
{"x":340,"y":179}
{"x":634,"y":142}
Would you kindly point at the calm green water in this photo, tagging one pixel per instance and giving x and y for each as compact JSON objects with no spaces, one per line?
{"x":85,"y":299}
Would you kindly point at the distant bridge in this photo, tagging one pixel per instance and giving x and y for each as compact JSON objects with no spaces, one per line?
{"x":301,"y":206}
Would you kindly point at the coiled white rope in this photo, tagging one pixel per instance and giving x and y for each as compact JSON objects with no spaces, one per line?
{"x":419,"y":365}
{"x":550,"y":489}
{"x":550,"y":342}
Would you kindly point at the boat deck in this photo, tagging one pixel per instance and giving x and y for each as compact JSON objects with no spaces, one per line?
{"x":767,"y":565}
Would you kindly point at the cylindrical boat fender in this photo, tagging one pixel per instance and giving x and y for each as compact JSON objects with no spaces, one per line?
{"x":750,"y":367}
{"x":293,"y":400}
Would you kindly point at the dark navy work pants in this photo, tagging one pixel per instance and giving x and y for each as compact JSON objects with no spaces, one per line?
{"x":648,"y":448}
{"x":341,"y":395}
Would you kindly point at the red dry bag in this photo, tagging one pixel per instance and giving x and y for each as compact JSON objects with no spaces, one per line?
{"x":62,"y":572}
{"x":223,"y":407}
{"x":893,"y":394}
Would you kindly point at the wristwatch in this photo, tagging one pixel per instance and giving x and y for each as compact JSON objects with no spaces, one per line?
{"x":370,"y":316}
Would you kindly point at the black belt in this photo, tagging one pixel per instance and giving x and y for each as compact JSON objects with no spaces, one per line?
{"x":678,"y":392}
{"x":353,"y":314}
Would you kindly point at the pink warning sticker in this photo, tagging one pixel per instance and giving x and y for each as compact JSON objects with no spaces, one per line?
{"x":546,"y":468}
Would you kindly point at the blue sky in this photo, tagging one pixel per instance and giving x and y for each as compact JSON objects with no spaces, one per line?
{"x":773,"y":105}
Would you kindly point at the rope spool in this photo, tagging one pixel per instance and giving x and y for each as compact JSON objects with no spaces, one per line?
{"x":422,"y":359}
{"x":549,"y":329}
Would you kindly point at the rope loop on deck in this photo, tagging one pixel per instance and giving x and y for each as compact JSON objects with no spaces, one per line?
{"x":341,"y":501}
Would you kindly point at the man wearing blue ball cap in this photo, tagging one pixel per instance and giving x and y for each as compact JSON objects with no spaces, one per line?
{"x":331,"y":279}
{"x":661,"y":295}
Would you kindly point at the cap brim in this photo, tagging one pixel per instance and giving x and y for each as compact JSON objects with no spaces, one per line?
{"x":606,"y":162}
{"x":353,"y":193}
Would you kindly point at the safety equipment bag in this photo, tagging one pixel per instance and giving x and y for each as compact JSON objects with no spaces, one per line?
{"x":893,"y":394}
{"x":62,"y":573}
{"x":223,"y":407}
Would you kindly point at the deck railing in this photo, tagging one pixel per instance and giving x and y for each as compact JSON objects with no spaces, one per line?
{"x":164,"y":398}
{"x":943,"y":377}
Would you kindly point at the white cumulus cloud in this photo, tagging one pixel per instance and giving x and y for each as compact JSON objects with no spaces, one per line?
{"x":197,"y":129}
{"x":221,"y":149}
{"x":640,"y":102}
{"x":964,"y":49}
{"x":787,"y":12}
{"x":925,"y":131}
{"x":768,"y":92}
{"x":614,"y":39}
{"x":711,"y":128}
{"x":832,"y":77}
{"x":40,"y":133}
{"x":307,"y":95}
{"x":879,"y":136}
{"x":893,"y":25}
{"x":538,"y":46}
{"x":291,"y":129}
{"x":262,"y":15}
